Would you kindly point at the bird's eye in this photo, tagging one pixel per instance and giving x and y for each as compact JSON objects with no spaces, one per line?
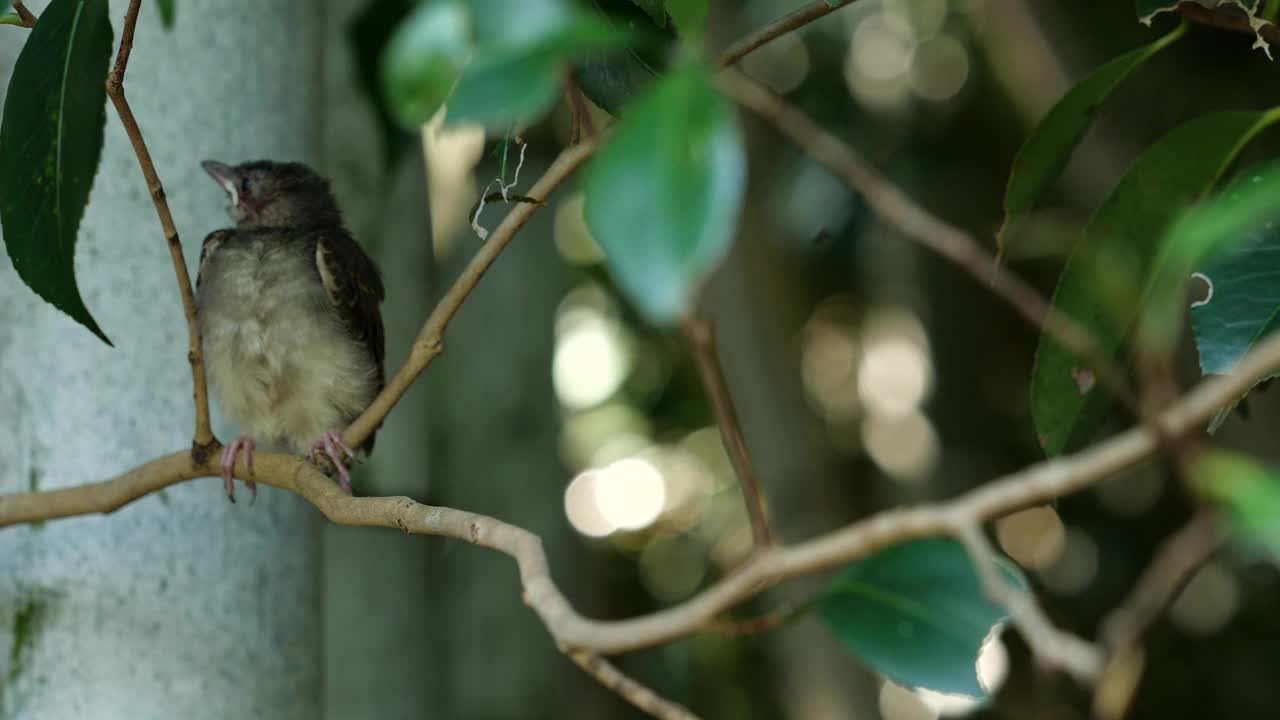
{"x":246,"y":185}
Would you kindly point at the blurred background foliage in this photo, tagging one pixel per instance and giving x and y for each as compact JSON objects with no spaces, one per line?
{"x":868,"y":373}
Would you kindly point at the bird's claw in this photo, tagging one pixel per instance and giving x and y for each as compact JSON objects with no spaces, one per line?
{"x":334,"y":447}
{"x":229,"y":465}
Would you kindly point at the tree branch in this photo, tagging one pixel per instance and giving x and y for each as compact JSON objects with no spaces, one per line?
{"x":896,"y":209}
{"x":791,"y":21}
{"x":1049,"y":644}
{"x":632,"y":691}
{"x":429,"y":342}
{"x":203,"y":441}
{"x":28,"y":19}
{"x":702,"y":341}
{"x":1035,"y":484}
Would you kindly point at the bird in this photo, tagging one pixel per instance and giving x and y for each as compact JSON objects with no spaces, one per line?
{"x":288,"y":308}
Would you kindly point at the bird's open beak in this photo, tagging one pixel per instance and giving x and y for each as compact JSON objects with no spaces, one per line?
{"x":225,"y":176}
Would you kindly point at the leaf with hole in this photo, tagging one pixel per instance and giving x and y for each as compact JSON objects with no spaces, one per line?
{"x":917,"y":613}
{"x":1103,"y":283}
{"x":662,"y":198}
{"x":50,"y":143}
{"x":1047,"y":150}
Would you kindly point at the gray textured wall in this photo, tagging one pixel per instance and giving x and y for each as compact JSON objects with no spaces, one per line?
{"x":180,"y":605}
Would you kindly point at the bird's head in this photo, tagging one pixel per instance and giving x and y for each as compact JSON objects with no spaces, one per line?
{"x":275,"y":194}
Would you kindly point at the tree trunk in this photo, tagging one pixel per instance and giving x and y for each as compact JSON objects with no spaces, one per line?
{"x":180,"y":604}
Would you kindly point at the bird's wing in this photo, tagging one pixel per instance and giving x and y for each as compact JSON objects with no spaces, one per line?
{"x":355,"y":289}
{"x":210,"y":246}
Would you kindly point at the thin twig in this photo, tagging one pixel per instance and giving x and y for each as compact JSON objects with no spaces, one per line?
{"x":898,"y":210}
{"x":28,"y":19}
{"x":203,"y":441}
{"x":1178,"y":558}
{"x":1035,"y":484}
{"x":631,"y":690}
{"x":1175,"y":562}
{"x":776,"y":29}
{"x":702,"y":341}
{"x":429,"y":342}
{"x":1051,"y":646}
{"x":756,"y":625}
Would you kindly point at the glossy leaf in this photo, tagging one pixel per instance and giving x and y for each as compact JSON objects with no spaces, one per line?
{"x":518,"y":84}
{"x":50,"y":144}
{"x":168,"y":12}
{"x":1233,"y":218}
{"x":915,"y":612}
{"x":1251,"y":493}
{"x":1103,"y":283}
{"x":662,"y":198}
{"x":1046,"y":152}
{"x":423,"y":60}
{"x":690,"y":16}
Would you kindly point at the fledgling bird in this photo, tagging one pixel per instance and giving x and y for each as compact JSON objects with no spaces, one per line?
{"x":288,"y":306}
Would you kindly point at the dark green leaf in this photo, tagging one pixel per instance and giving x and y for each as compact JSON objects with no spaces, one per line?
{"x":1249,"y":490}
{"x":167,"y":12}
{"x":611,"y":82}
{"x":421,"y":63}
{"x":689,"y":15}
{"x":516,"y":85}
{"x":915,"y":612}
{"x":1045,"y":153}
{"x":1103,"y":283}
{"x":1237,"y":313}
{"x":654,"y":9}
{"x":50,"y":143}
{"x":1241,"y":301}
{"x":662,"y":198}
{"x":369,"y":33}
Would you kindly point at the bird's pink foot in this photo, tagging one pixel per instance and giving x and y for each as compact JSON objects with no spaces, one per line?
{"x":229,"y":465}
{"x":333,"y":446}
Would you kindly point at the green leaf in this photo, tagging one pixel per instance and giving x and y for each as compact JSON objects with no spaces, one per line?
{"x":836,"y":3}
{"x":518,"y":84}
{"x":915,"y":612}
{"x":662,"y":198}
{"x":167,"y":12}
{"x":654,"y":9}
{"x":50,"y":143}
{"x":1045,"y":153}
{"x":1237,"y":315}
{"x":1241,"y":301}
{"x":11,"y":18}
{"x":1103,"y":282}
{"x":689,"y":15}
{"x":1251,"y":493}
{"x":422,"y":62}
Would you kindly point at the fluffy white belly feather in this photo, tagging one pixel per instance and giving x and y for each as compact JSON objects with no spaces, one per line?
{"x":280,"y":362}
